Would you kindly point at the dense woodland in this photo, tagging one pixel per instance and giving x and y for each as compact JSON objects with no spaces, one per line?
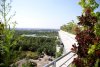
{"x":39,"y":44}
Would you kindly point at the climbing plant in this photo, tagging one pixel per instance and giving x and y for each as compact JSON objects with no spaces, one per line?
{"x":88,"y":49}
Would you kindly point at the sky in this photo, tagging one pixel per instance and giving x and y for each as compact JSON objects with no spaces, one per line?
{"x":45,"y":13}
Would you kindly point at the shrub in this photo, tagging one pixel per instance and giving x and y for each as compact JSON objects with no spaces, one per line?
{"x":88,"y":49}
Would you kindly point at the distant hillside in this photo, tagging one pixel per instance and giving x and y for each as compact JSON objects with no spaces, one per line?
{"x":38,"y":29}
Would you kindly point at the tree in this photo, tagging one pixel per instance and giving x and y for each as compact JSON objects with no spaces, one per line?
{"x":8,"y":42}
{"x":63,"y":27}
{"x":69,"y":27}
{"x":88,"y":4}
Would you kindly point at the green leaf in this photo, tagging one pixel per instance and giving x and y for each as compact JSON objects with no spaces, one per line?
{"x":97,"y":63}
{"x":91,"y":49}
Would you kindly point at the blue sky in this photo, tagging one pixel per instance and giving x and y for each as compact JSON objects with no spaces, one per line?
{"x":45,"y":13}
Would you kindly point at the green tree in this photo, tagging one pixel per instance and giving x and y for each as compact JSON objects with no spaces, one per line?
{"x":8,"y":42}
{"x":69,"y":27}
{"x":88,"y":4}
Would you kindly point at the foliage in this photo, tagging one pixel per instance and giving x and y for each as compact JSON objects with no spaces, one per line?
{"x":7,"y":42}
{"x":60,"y":52}
{"x":39,"y":44}
{"x":27,"y":54}
{"x":29,"y":64}
{"x":88,"y":4}
{"x":88,"y":49}
{"x":97,"y":26}
{"x":69,"y":27}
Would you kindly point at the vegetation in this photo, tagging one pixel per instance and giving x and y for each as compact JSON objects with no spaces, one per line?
{"x":39,"y":44}
{"x":37,"y":32}
{"x":6,"y":35}
{"x":88,"y":49}
{"x":29,"y":64}
{"x":58,"y":54}
{"x":14,"y":46}
{"x":69,"y":27}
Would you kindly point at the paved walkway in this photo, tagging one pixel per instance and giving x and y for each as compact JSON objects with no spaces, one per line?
{"x":68,"y":40}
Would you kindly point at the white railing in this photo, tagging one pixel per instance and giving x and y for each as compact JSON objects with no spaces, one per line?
{"x":62,"y":61}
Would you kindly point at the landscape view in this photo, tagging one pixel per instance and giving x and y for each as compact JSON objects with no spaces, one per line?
{"x":50,"y":33}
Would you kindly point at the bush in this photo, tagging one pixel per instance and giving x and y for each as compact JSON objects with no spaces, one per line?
{"x":88,"y":49}
{"x":32,"y":55}
{"x":29,"y":64}
{"x":28,"y":55}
